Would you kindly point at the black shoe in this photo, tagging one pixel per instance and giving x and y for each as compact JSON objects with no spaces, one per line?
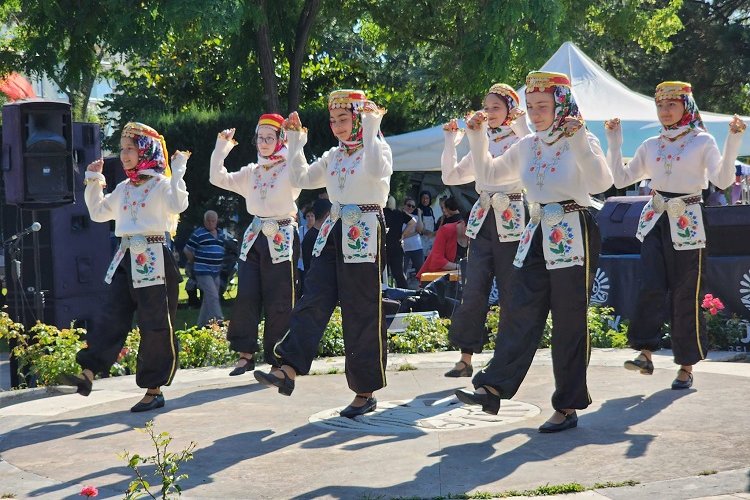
{"x":683,"y":384}
{"x":247,"y":366}
{"x":354,"y":411}
{"x":646,"y":367}
{"x":488,"y":401}
{"x":285,"y":385}
{"x":80,"y":381}
{"x":571,"y":420}
{"x":157,"y":402}
{"x":466,"y":371}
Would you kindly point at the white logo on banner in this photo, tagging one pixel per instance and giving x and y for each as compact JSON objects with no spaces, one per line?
{"x":494,"y":297}
{"x":745,"y":289}
{"x":600,"y":290}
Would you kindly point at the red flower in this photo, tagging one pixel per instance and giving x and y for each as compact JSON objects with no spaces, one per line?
{"x":507,"y":215}
{"x":354,"y":232}
{"x":712,"y":304}
{"x":277,"y":238}
{"x":556,"y":235}
{"x":89,"y":491}
{"x":480,"y":213}
{"x":683,"y":222}
{"x":140,"y":259}
{"x":123,"y":352}
{"x":649,"y":215}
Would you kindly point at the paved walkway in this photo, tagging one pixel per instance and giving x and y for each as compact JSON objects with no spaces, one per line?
{"x":254,"y":443}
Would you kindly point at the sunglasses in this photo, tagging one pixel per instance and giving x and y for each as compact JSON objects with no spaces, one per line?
{"x":410,"y":205}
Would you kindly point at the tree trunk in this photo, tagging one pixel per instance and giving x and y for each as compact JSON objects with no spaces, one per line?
{"x":302,"y":34}
{"x":265,"y":60}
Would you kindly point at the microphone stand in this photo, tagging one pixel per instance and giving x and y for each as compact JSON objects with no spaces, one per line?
{"x":14,"y":251}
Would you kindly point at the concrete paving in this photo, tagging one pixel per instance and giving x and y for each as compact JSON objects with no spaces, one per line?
{"x":253,"y":443}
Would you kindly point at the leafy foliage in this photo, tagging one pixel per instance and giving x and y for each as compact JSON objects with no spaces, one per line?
{"x":166,"y":466}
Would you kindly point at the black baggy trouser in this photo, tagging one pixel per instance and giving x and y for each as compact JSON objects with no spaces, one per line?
{"x":663,"y":269}
{"x":156,"y":307}
{"x":537,"y":291}
{"x":357,"y":287}
{"x":487,"y":258}
{"x":265,"y":290}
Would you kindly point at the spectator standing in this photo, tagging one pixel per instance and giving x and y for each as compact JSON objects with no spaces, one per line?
{"x":205,"y":251}
{"x":400,"y":226}
{"x":413,"y":249}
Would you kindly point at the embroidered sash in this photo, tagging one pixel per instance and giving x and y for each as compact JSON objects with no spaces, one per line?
{"x":685,"y":221}
{"x":359,"y":234}
{"x":280,"y":238}
{"x":146,"y":260}
{"x":562,"y":243}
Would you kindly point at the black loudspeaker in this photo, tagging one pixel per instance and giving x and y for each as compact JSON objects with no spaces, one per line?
{"x":618,"y":223}
{"x":113,"y":172}
{"x":38,"y":154}
{"x":74,"y":251}
{"x":728,"y":230}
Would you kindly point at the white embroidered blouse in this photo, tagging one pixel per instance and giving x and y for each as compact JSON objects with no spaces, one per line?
{"x":362,"y":178}
{"x":573,"y":168}
{"x":142,"y":209}
{"x":267,"y":192}
{"x":684,"y":166}
{"x":463,"y":172}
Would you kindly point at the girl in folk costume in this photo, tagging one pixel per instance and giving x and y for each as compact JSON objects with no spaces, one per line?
{"x":679,"y":161}
{"x":270,"y":246}
{"x":559,"y":167}
{"x":497,"y":217}
{"x":349,"y":259}
{"x":143,"y":275}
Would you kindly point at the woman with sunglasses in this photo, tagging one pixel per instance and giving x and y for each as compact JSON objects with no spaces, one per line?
{"x":270,"y":245}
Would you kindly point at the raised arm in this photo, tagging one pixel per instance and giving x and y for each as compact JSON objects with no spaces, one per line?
{"x":591,"y":161}
{"x":302,"y":175}
{"x":378,"y":158}
{"x":455,"y":173}
{"x":501,"y":170}
{"x":176,"y":192}
{"x":721,"y":166}
{"x":101,"y":208}
{"x":236,"y":182}
{"x":623,"y":175}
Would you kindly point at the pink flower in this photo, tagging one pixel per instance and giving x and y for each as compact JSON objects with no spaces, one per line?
{"x":507,"y":214}
{"x":556,"y":235}
{"x":89,"y":491}
{"x":354,"y":232}
{"x":277,"y":238}
{"x":123,"y":352}
{"x":683,"y":222}
{"x":713,"y":311}
{"x":712,"y":304}
{"x":649,"y":215}
{"x":140,"y":259}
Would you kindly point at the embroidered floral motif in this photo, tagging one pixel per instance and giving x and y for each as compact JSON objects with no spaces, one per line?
{"x":280,"y":243}
{"x":561,"y":239}
{"x":132,"y":205}
{"x":342,"y":172}
{"x":358,"y":237}
{"x":266,"y":177}
{"x":147,"y":264}
{"x":669,"y":156}
{"x":542,"y":166}
{"x":511,"y":219}
{"x":687,"y":227}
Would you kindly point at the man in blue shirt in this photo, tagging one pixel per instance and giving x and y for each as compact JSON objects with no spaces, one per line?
{"x":205,"y":250}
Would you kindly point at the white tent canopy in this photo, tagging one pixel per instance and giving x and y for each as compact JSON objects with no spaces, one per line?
{"x":599,"y":96}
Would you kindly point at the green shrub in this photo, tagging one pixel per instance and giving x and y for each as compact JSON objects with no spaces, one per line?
{"x":421,"y":335}
{"x":332,"y":343}
{"x":206,"y":346}
{"x":724,"y":331}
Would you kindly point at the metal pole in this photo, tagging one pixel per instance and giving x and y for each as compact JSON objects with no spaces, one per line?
{"x":38,"y":293}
